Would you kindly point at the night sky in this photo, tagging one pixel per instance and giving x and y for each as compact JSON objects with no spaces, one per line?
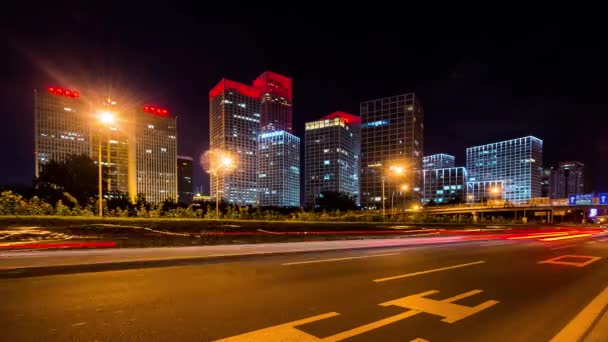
{"x":481,"y":78}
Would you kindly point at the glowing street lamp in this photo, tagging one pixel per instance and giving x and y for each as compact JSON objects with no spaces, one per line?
{"x":220,"y":162}
{"x":396,"y":170}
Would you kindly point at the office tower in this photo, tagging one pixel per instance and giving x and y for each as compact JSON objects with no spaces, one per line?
{"x":392,"y":132}
{"x":62,"y":126}
{"x":276,"y":105}
{"x":510,"y":170}
{"x":155,"y":150}
{"x":279,"y":169}
{"x":444,"y":185}
{"x":567,"y":179}
{"x":234,"y":120}
{"x":437,"y":161}
{"x":545,"y":180}
{"x":184,"y":179}
{"x":331,"y":156}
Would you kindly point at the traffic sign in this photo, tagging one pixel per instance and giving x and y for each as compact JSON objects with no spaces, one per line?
{"x":572,"y":199}
{"x":603,"y":198}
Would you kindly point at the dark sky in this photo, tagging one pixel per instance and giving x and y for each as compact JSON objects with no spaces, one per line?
{"x":481,"y":77}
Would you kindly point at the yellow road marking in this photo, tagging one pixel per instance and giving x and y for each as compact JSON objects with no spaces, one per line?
{"x":371,"y":326}
{"x":557,"y":261}
{"x":577,"y":327}
{"x":336,"y":259}
{"x":428,"y":271}
{"x":566,"y":237}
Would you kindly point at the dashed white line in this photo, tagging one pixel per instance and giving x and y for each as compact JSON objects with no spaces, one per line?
{"x":428,"y":271}
{"x":336,"y":259}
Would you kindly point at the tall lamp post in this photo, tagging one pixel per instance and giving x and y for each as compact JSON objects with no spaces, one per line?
{"x":396,"y":170}
{"x":105,"y":118}
{"x":222,"y":163}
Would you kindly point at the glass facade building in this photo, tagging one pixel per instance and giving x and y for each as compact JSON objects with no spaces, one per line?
{"x":567,"y":179}
{"x":62,"y":126}
{"x":444,"y":185}
{"x":438,"y":161}
{"x":514,"y":166}
{"x":331,"y":156}
{"x":279,"y":169}
{"x":185,"y":189}
{"x":392,"y":133}
{"x":234,"y":124}
{"x":276,"y":106}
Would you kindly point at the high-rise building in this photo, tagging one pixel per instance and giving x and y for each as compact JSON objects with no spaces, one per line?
{"x":279,"y":169}
{"x":185,"y":189}
{"x":437,"y":161}
{"x":62,"y":126}
{"x":234,"y":118}
{"x":139,"y":148}
{"x":444,"y":185}
{"x":392,"y":133}
{"x":567,"y":179}
{"x":545,"y":179}
{"x":155,"y":154}
{"x":276,"y":105}
{"x":331,"y":156}
{"x":510,"y":170}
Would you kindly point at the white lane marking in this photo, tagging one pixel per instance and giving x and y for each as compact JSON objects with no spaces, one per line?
{"x":428,"y":271}
{"x":577,"y":327}
{"x":77,"y":324}
{"x":336,"y":259}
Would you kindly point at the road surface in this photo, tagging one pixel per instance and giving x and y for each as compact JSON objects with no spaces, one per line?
{"x":501,"y":290}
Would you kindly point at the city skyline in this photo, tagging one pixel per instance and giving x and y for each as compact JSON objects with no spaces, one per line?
{"x":475,"y":91}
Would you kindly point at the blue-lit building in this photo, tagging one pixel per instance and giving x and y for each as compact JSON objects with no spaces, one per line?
{"x":438,"y":161}
{"x":331,"y":156}
{"x":510,"y":170}
{"x":444,"y":185}
{"x":278,"y":169}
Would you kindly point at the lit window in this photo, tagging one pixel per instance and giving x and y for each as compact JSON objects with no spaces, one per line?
{"x":326,"y":150}
{"x":67,"y":109}
{"x":151,"y":126}
{"x":148,"y":151}
{"x":163,"y":149}
{"x":326,"y":162}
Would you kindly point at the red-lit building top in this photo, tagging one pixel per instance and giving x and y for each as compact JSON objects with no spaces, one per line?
{"x":241,"y":88}
{"x":63,"y":92}
{"x":275,"y":84}
{"x":156,"y":110}
{"x":349,"y":118}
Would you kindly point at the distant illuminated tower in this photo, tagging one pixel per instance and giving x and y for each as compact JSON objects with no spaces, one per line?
{"x":392,"y":133}
{"x":155,"y":135}
{"x":279,"y":169}
{"x":331,"y":156}
{"x":567,"y":179}
{"x":276,"y":105}
{"x":438,"y":161}
{"x":184,"y":179}
{"x":62,"y":126}
{"x":234,"y":125}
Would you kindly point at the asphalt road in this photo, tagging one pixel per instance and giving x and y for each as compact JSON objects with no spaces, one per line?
{"x":471,"y":291}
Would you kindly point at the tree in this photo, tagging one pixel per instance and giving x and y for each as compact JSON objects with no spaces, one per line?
{"x":333,"y":200}
{"x":77,"y":175}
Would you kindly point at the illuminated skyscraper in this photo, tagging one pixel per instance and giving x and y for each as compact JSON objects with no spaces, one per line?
{"x":331,"y":156}
{"x":444,"y":185}
{"x":513,"y":167}
{"x":437,"y":161}
{"x":279,"y":169}
{"x":234,"y":120}
{"x":156,"y":154}
{"x":184,"y":179}
{"x":392,"y":133}
{"x":62,"y":126}
{"x":567,"y":179}
{"x":276,"y":105}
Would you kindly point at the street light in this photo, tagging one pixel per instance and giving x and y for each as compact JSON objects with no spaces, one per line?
{"x":105,"y":118}
{"x":220,"y":162}
{"x":397,"y":170}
